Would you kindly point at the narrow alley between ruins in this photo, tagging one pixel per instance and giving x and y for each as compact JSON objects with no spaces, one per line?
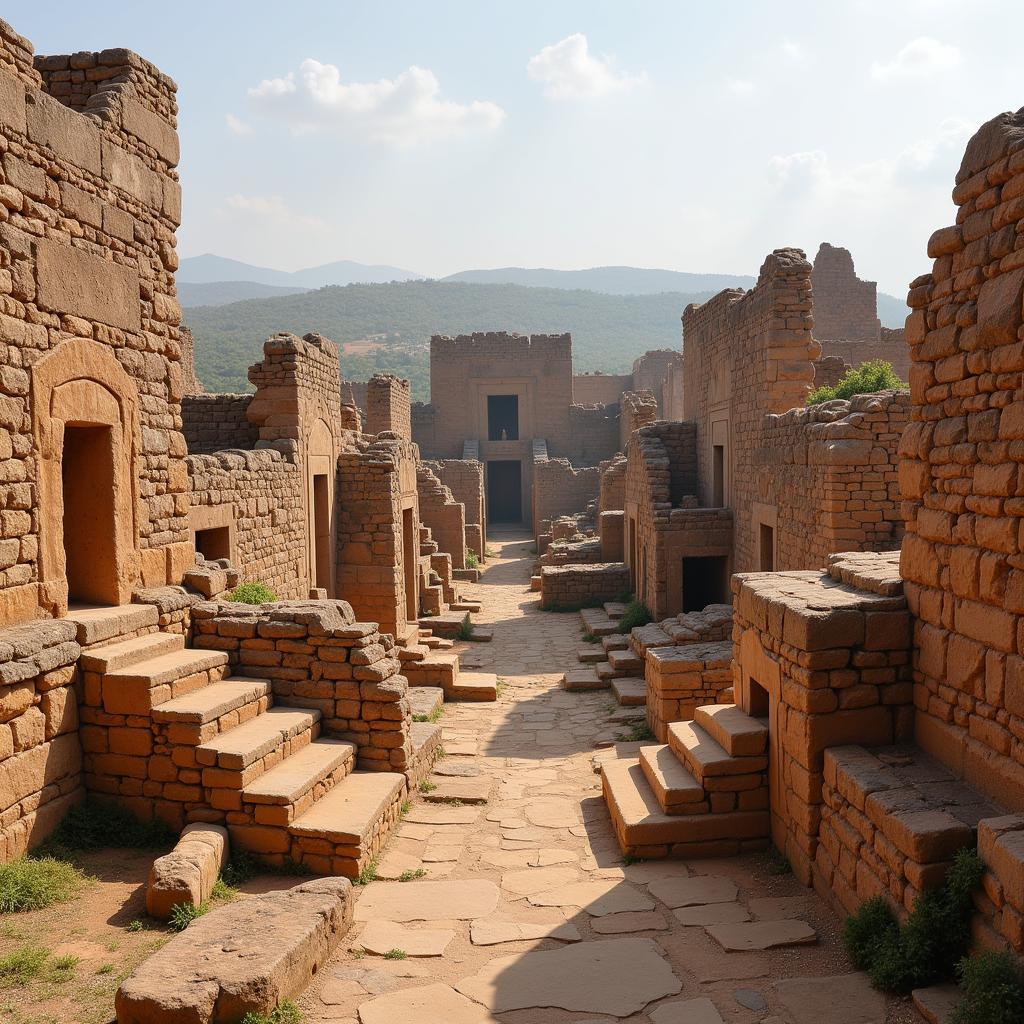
{"x":503,"y":895}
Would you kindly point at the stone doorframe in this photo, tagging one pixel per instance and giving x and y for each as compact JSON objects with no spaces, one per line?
{"x":321,"y":460}
{"x":80,"y":382}
{"x":755,"y":664}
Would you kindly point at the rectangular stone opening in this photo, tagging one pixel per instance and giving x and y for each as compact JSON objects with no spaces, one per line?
{"x":410,"y":549}
{"x":322,"y":532}
{"x":90,"y":546}
{"x":718,"y":476}
{"x":759,"y":701}
{"x":766,"y":548}
{"x":214,"y":543}
{"x":504,"y":491}
{"x":705,"y":581}
{"x":502,"y":417}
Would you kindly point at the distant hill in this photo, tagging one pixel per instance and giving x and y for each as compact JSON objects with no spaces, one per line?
{"x":611,"y":280}
{"x":208,"y":269}
{"x":220,"y":293}
{"x":609,"y":331}
{"x":892,"y":311}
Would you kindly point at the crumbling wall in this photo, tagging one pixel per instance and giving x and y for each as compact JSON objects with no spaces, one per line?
{"x":212,"y":423}
{"x":559,"y":489}
{"x":651,"y":370}
{"x":637,"y":409}
{"x":598,"y":388}
{"x":612,"y":491}
{"x":959,"y":473}
{"x":388,"y":405}
{"x":845,"y":307}
{"x":465,"y":479}
{"x":593,"y":434}
{"x":445,"y":516}
{"x":672,"y":403}
{"x":91,"y":203}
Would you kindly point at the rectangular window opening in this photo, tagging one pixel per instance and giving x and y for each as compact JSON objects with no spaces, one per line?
{"x":502,"y":417}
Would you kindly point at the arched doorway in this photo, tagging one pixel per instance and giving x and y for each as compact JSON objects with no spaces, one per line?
{"x":321,"y":482}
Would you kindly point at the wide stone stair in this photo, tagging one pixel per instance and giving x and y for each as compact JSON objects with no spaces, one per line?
{"x":441,"y":668}
{"x":704,"y":793}
{"x":220,"y":744}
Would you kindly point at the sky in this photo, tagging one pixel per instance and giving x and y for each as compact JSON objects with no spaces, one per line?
{"x":454,"y":134}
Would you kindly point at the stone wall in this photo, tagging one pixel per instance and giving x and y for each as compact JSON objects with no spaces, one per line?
{"x":568,"y":587}
{"x":593,"y":434}
{"x":746,"y":354}
{"x":445,"y":516}
{"x":559,"y":489}
{"x":845,"y":307}
{"x":465,"y":479}
{"x":90,"y":206}
{"x":672,"y":402}
{"x":960,"y":473}
{"x":682,"y":679}
{"x":599,"y":388}
{"x":212,"y":423}
{"x":637,"y":409}
{"x":612,"y":493}
{"x":388,"y":403}
{"x":890,"y":346}
{"x":650,"y":372}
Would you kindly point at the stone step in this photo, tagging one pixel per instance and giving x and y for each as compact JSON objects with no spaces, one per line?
{"x":626,"y":663}
{"x":677,"y":791}
{"x":235,"y":758}
{"x":643,"y":638}
{"x":465,"y":606}
{"x":473,"y":686}
{"x":630,"y":692}
{"x":614,"y":609}
{"x":733,"y":729}
{"x":536,"y":583}
{"x":583,"y":679}
{"x":615,"y":642}
{"x":199,"y":716}
{"x":290,"y":787}
{"x":344,"y":830}
{"x":425,"y":738}
{"x":137,"y":689}
{"x":597,"y":623}
{"x":643,"y":829}
{"x":589,"y":654}
{"x":605,"y":672}
{"x":425,"y":700}
{"x":440,"y":669}
{"x":103,"y":622}
{"x":437,"y":643}
{"x":706,"y":759}
{"x":448,"y":624}
{"x":108,"y":657}
{"x":413,"y":652}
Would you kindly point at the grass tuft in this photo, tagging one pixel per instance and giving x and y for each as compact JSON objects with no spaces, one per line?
{"x":993,"y":987}
{"x":284,"y":1013}
{"x":22,"y":965}
{"x":411,"y":875}
{"x":183,"y":914}
{"x":636,"y":614}
{"x":252,"y":592}
{"x":472,"y":562}
{"x":776,"y":862}
{"x":395,"y":954}
{"x":465,"y":628}
{"x":426,"y":786}
{"x":31,"y":883}
{"x":368,"y":874}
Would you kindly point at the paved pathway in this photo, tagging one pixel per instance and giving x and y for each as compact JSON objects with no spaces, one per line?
{"x":521,"y":910}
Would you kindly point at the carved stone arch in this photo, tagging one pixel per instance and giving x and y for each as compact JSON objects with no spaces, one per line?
{"x":321,"y":484}
{"x":85,"y":428}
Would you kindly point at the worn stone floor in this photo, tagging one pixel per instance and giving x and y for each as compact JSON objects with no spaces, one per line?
{"x":520,"y":909}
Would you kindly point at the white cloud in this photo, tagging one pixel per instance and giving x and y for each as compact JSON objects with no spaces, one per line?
{"x":237,"y":126}
{"x":797,"y":172}
{"x":401,"y":112}
{"x":569,"y":71}
{"x":920,"y":58}
{"x":272,"y":209}
{"x":791,"y":49}
{"x":742,"y":87}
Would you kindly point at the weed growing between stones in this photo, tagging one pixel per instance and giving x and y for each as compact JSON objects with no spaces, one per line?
{"x":30,"y":883}
{"x":589,"y":638}
{"x":183,"y":914}
{"x":639,"y":733}
{"x":284,"y":1013}
{"x":412,"y":875}
{"x":395,"y":954}
{"x":465,"y":628}
{"x":426,"y":786}
{"x":31,"y":962}
{"x":252,"y":592}
{"x":105,"y":969}
{"x":432,"y":717}
{"x":223,"y":892}
{"x":929,"y":946}
{"x":993,"y":986}
{"x":500,"y":687}
{"x":136,"y":926}
{"x":405,"y":808}
{"x":369,"y":873}
{"x":472,"y":562}
{"x":636,"y":614}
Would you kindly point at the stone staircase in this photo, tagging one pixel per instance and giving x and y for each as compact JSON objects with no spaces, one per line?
{"x":220,"y":745}
{"x":424,"y":666}
{"x":704,"y":793}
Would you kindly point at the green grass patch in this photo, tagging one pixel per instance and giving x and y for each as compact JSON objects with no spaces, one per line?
{"x":426,"y":786}
{"x":62,"y":968}
{"x":589,"y":638}
{"x":183,"y":914}
{"x":94,"y":825}
{"x":284,"y":1013}
{"x":136,"y":926}
{"x":22,"y":965}
{"x":252,"y":592}
{"x":31,"y":883}
{"x":993,"y":987}
{"x":928,"y":948}
{"x":636,"y":614}
{"x":432,"y":717}
{"x":222,"y":892}
{"x":465,"y":628}
{"x":412,"y":875}
{"x":874,"y":375}
{"x":472,"y":562}
{"x":369,"y":873}
{"x":395,"y":954}
{"x":105,"y":969}
{"x":500,"y":687}
{"x":638,"y":733}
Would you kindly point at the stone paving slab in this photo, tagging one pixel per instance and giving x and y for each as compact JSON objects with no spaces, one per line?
{"x":845,"y":999}
{"x":761,"y":934}
{"x":380,"y":937}
{"x":461,"y":900}
{"x":491,"y":932}
{"x":692,"y":892}
{"x":420,"y":1005}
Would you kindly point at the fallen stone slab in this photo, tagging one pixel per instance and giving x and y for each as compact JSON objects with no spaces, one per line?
{"x":609,"y":976}
{"x":442,"y":815}
{"x":245,"y":957}
{"x":750,"y":935}
{"x":687,"y":1011}
{"x":189,"y":872}
{"x":937,"y":1002}
{"x":460,"y":900}
{"x":841,"y":999}
{"x":711,"y":913}
{"x":467,"y":791}
{"x":491,"y":933}
{"x":420,"y":1005}
{"x":380,"y":937}
{"x":536,"y":880}
{"x":456,"y":769}
{"x":693,"y":892}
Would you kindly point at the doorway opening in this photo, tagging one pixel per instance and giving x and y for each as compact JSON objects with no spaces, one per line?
{"x":214,"y":543}
{"x":321,"y":533}
{"x":766,"y":548}
{"x":633,"y":575}
{"x":90,"y":546}
{"x":705,"y":581}
{"x":410,"y":546}
{"x":718,"y":476}
{"x":505,"y":491}
{"x":759,"y":705}
{"x":502,"y":417}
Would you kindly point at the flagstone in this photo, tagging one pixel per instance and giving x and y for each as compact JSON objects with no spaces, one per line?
{"x":628,"y":922}
{"x":597,"y":897}
{"x":490,"y":932}
{"x":422,"y":1004}
{"x":461,"y":900}
{"x":380,"y":937}
{"x":753,"y":935}
{"x":844,"y":999}
{"x":711,"y":913}
{"x":695,"y":891}
{"x":687,"y":1011}
{"x":536,"y":880}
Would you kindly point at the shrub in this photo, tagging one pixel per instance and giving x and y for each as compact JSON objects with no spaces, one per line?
{"x":874,"y":375}
{"x":96,"y":826}
{"x":284,"y":1013}
{"x":929,"y":946}
{"x":993,"y":988}
{"x":465,"y":628}
{"x":637,"y":614}
{"x":472,"y":562}
{"x":22,"y":965}
{"x":252,"y":592}
{"x":29,"y":883}
{"x":183,"y":914}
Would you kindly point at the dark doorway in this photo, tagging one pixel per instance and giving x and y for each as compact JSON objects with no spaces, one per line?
{"x":759,"y":706}
{"x":90,"y":548}
{"x":322,"y":533}
{"x":766,"y":542}
{"x":718,"y":476}
{"x":214,"y":543}
{"x":705,"y":581}
{"x":504,"y":491}
{"x":503,"y":418}
{"x":410,"y":549}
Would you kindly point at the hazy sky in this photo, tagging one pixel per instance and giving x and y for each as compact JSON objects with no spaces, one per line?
{"x":443,"y":135}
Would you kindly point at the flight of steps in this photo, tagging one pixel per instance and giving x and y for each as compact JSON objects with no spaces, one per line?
{"x":704,"y":793}
{"x":425,"y":664}
{"x":614,"y":663}
{"x":227,"y":751}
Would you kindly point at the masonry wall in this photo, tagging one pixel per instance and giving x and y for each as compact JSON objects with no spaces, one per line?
{"x":845,"y":307}
{"x":599,"y":388}
{"x":465,"y":479}
{"x":212,"y":423}
{"x":637,"y":409}
{"x":672,"y":403}
{"x":890,"y":346}
{"x":650,"y":372}
{"x":593,"y":434}
{"x":445,"y":516}
{"x":88,"y":212}
{"x":388,"y":404}
{"x":747,"y":354}
{"x":559,"y":489}
{"x":960,"y":473}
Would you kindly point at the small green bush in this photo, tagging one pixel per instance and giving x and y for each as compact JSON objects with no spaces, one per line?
{"x":637,"y":614}
{"x":183,"y":914}
{"x":472,"y":562}
{"x":933,"y":941}
{"x":395,"y":954}
{"x":97,"y":826}
{"x":31,"y":883}
{"x":993,"y":988}
{"x":465,"y":628}
{"x":22,"y":965}
{"x":284,"y":1013}
{"x":252,"y":592}
{"x":874,"y":375}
